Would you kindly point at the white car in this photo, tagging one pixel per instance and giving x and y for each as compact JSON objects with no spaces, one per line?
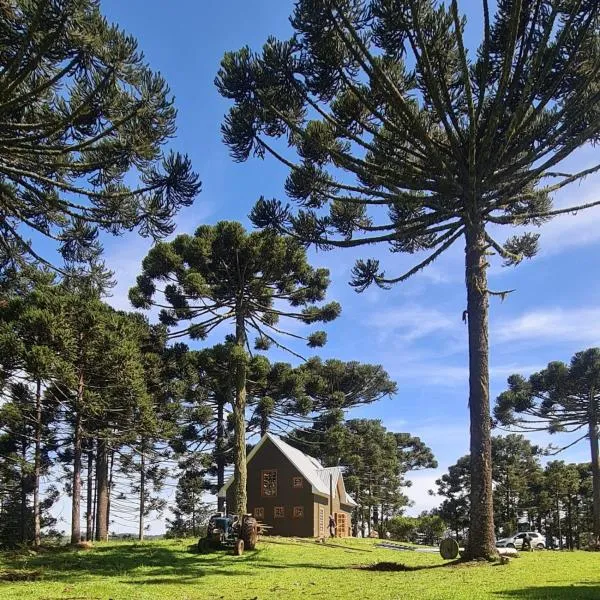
{"x":516,"y":541}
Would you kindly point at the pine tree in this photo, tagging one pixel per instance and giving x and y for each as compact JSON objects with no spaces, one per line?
{"x":224,"y":275}
{"x":455,"y":488}
{"x":82,"y":115}
{"x":190,"y":511}
{"x":33,"y":345}
{"x":394,"y":134}
{"x":561,"y":398}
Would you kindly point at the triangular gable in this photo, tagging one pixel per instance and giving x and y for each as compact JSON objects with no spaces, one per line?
{"x":306,"y":465}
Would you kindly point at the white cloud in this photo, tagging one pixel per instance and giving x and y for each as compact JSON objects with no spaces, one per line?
{"x":418,"y":492}
{"x":568,"y":231}
{"x":580,"y":325}
{"x":429,"y":371}
{"x":574,"y":229}
{"x":411,"y":322}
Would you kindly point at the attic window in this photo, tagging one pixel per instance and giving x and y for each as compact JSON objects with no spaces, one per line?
{"x":269,"y":483}
{"x":297,"y":482}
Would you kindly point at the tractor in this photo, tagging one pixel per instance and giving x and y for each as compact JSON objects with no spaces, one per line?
{"x":228,"y":531}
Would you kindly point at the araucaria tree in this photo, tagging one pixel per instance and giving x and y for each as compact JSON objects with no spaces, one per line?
{"x":561,"y":398}
{"x":223,"y":275}
{"x":81,"y":116}
{"x":397,"y":135}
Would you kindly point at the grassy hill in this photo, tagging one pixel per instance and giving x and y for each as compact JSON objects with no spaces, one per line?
{"x":288,"y":569}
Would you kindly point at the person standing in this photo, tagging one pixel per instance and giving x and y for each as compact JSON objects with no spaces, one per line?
{"x":332,"y":526}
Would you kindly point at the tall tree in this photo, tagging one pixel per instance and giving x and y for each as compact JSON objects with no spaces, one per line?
{"x":561,"y":398}
{"x":224,"y":275}
{"x":409,"y":140}
{"x":82,"y":115}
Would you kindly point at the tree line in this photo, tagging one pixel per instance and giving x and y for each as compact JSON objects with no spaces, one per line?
{"x":111,"y":410}
{"x":554,"y":499}
{"x":397,"y":135}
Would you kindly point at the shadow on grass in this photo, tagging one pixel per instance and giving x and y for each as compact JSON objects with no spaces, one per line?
{"x":393,"y":566}
{"x":577,"y":591}
{"x":158,"y":564}
{"x":296,"y":541}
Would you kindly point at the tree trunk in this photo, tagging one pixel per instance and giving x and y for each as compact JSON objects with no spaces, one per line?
{"x":481,"y":542}
{"x":76,"y":485}
{"x":23,"y":492}
{"x":37,"y":467}
{"x":220,"y":448}
{"x":593,"y":435}
{"x":577,"y":524}
{"x":89,"y":523}
{"x":569,"y":524}
{"x":109,"y":489}
{"x":194,"y":515}
{"x":95,"y":502}
{"x":558,"y":525}
{"x":142,"y":492}
{"x":369,"y":512}
{"x":264,"y":424}
{"x":239,"y":421}
{"x":101,"y":491}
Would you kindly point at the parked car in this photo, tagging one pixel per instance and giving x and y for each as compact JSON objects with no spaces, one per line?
{"x":516,"y":541}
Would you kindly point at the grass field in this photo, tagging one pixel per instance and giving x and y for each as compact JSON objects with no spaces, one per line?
{"x":290,"y":570}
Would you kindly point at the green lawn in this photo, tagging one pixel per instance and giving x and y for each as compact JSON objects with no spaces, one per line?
{"x":289,"y":570}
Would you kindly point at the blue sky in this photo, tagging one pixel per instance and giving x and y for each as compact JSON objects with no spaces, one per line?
{"x":415,"y":330}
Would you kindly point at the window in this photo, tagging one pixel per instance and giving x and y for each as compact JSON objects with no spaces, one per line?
{"x":269,"y":483}
{"x":297,"y":482}
{"x":321,"y":521}
{"x":279,"y":512}
{"x":259,"y":512}
{"x":298,"y":512}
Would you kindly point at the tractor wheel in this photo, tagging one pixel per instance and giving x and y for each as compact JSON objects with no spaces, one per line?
{"x":249,"y":532}
{"x":203,"y":545}
{"x":238,"y":548}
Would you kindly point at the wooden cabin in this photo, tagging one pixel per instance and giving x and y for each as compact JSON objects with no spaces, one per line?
{"x":293,"y":493}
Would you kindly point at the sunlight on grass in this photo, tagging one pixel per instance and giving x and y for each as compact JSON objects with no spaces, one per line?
{"x":290,"y":569}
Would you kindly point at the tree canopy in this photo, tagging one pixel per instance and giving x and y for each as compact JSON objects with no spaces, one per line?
{"x":83,"y":124}
{"x":395,"y":134}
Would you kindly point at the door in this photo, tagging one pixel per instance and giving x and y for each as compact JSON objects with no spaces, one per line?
{"x":321,"y":521}
{"x":341,"y":524}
